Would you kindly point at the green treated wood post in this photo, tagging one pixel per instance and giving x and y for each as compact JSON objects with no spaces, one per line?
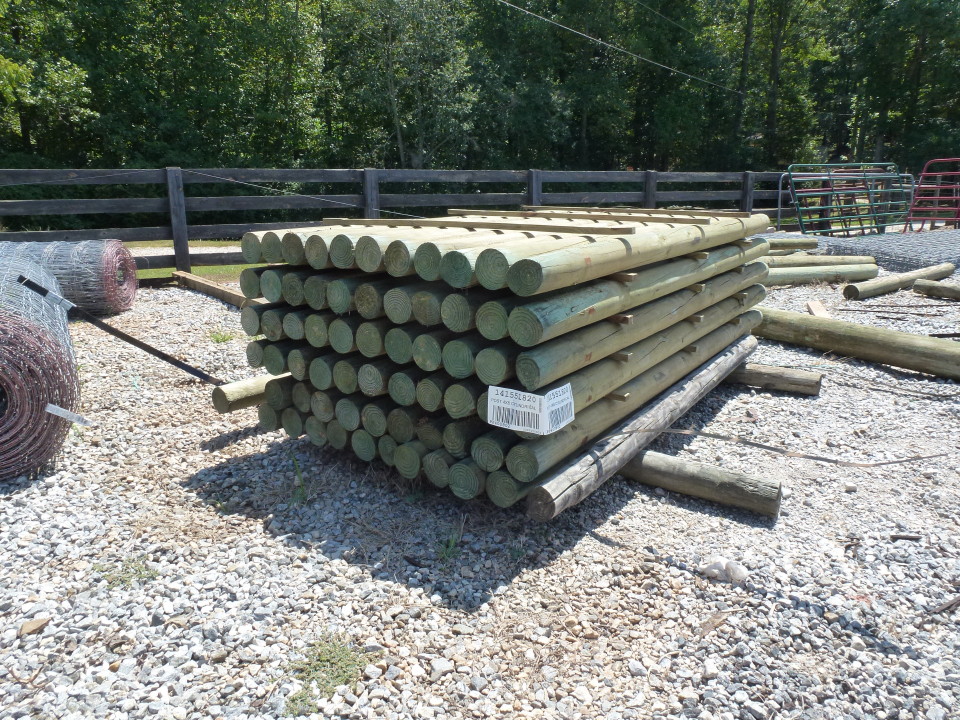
{"x":178,"y":219}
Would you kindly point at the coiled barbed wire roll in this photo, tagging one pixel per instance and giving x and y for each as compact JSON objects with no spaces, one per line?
{"x":99,"y":276}
{"x":37,"y":367}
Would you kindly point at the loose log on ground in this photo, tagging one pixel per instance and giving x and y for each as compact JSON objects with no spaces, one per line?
{"x":827,"y":274}
{"x":759,"y":495}
{"x":937,"y":289}
{"x":935,"y":356}
{"x":788,"y":243}
{"x":898,"y":281}
{"x":241,"y":394}
{"x":800,"y":260}
{"x":772,"y":377}
{"x":548,"y":317}
{"x":572,"y":481}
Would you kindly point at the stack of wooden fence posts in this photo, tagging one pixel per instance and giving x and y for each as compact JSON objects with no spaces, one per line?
{"x":385,"y":336}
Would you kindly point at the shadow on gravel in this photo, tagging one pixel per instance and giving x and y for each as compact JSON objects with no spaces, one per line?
{"x":329,"y":502}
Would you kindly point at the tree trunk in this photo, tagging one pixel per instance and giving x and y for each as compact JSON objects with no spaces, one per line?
{"x":744,"y":73}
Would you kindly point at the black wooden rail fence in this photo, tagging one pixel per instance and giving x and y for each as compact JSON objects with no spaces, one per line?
{"x":743,"y":190}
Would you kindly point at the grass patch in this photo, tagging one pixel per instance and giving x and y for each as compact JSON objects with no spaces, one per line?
{"x":329,"y":663}
{"x":219,"y":336}
{"x":130,"y":571}
{"x":219,"y":273}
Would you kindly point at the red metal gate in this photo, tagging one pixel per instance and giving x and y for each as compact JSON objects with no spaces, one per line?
{"x":936,"y":199}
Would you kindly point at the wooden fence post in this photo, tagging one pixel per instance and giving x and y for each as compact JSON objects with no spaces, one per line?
{"x":178,"y":219}
{"x":650,"y":189}
{"x":746,"y":192}
{"x":371,"y":193}
{"x":534,"y":188}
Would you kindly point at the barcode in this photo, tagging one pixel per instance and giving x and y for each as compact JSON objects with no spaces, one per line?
{"x":560,"y":416}
{"x":515,"y":419}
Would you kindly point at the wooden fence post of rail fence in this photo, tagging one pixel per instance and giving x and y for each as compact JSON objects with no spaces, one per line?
{"x":650,"y":188}
{"x":534,"y":188}
{"x":746,"y":192}
{"x":178,"y":219}
{"x":371,"y":193}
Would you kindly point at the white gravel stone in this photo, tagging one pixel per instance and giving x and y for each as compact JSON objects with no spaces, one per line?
{"x":182,"y":576}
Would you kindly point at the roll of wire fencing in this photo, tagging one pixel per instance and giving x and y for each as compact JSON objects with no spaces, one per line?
{"x":99,"y":276}
{"x":37,"y":370}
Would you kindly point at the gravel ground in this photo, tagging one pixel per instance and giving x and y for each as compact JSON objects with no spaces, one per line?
{"x":167,"y":568}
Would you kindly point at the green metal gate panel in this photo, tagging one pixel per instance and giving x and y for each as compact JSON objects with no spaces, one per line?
{"x":848,"y":199}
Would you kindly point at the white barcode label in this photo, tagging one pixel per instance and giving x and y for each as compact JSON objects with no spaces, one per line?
{"x":527,"y":412}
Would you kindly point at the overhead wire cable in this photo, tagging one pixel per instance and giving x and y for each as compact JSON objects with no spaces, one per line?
{"x":617,"y":48}
{"x":294,"y":194}
{"x":660,"y":14}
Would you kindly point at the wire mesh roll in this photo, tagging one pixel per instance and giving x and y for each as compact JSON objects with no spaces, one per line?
{"x":99,"y":276}
{"x":37,"y":368}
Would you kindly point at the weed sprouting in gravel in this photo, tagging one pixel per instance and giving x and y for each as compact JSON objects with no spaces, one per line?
{"x":299,"y":494}
{"x":220,"y":336}
{"x":125,"y":574}
{"x":327,"y":664}
{"x":449,"y":547}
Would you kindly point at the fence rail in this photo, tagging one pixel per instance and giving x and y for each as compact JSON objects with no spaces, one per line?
{"x":744,"y":190}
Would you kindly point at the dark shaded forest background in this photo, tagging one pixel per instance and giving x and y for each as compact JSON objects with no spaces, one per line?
{"x":477,"y":84}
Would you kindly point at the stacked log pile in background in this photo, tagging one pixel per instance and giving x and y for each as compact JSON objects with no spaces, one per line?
{"x":384,"y":336}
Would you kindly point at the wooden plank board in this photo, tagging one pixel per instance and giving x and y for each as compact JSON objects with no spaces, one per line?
{"x":573,"y":215}
{"x":817,"y":309}
{"x":115,"y":176}
{"x":269,"y":202}
{"x":638,"y":211}
{"x":200,"y":259}
{"x":445,"y":200}
{"x":82,"y":206}
{"x":214,"y":289}
{"x":453,"y":176}
{"x":193,"y":176}
{"x":506,"y":224}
